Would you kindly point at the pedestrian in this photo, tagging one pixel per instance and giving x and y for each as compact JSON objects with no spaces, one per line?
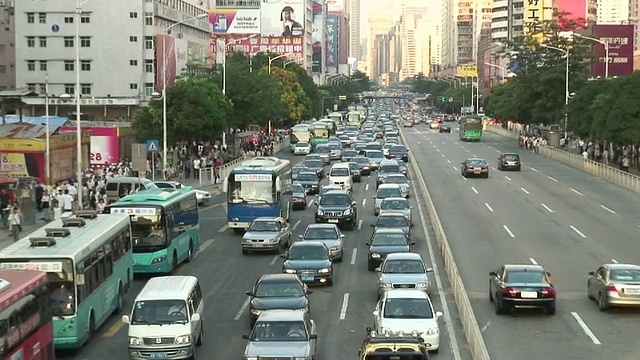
{"x":624,"y":165}
{"x":15,"y":223}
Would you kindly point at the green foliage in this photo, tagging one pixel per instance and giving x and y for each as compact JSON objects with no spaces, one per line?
{"x":292,"y":95}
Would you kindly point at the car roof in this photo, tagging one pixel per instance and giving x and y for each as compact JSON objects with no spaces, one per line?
{"x":336,"y":191}
{"x":404,"y":256}
{"x":282,"y":315}
{"x":266,"y":218}
{"x":406,"y":294}
{"x":388,"y":186}
{"x":396,"y":214}
{"x":622,"y":266}
{"x":395,"y":198}
{"x":322,"y":226}
{"x":388,"y":161}
{"x":509,"y":153}
{"x":397,"y":174}
{"x":388,"y":231}
{"x":308,"y":172}
{"x":307,"y":244}
{"x":278,"y":278}
{"x":523,"y":267}
{"x":475,"y":159}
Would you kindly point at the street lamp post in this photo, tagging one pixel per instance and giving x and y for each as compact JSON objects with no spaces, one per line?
{"x":285,"y":63}
{"x":606,"y":51}
{"x":497,"y":67}
{"x":272,"y":59}
{"x":47,"y":160}
{"x":567,"y":95}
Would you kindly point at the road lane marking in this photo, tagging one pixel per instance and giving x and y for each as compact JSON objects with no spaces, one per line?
{"x":525,"y":191}
{"x":275,"y":258}
{"x":296,"y":224}
{"x":345,"y":305}
{"x":204,"y":246}
{"x":614,"y":261}
{"x":113,"y":330}
{"x":364,"y":202}
{"x":442,"y":155}
{"x":366,"y":187}
{"x":354,"y":255}
{"x":534,"y":169}
{"x":488,"y":207}
{"x":482,"y":330}
{"x":243,"y":308}
{"x":494,"y":169}
{"x":607,"y":209}
{"x":552,"y":178}
{"x":455,"y":168}
{"x":499,"y":152}
{"x":508,"y":231}
{"x":547,"y":208}
{"x":467,"y":150}
{"x":474,"y":190}
{"x":223,"y":228}
{"x":449,"y":161}
{"x":578,"y":231}
{"x":360,"y":224}
{"x":577,"y":192}
{"x":438,"y":150}
{"x":474,"y":155}
{"x":508,"y":178}
{"x":533,"y":261}
{"x":310,"y":203}
{"x":585,"y":328}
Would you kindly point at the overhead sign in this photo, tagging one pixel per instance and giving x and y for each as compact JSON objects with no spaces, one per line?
{"x":253,"y":177}
{"x":153,"y":146}
{"x":235,"y":21}
{"x":467,"y":71}
{"x":39,"y":266}
{"x":134,"y":211}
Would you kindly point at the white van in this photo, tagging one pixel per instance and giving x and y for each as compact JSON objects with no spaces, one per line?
{"x":166,"y":319}
{"x":340,"y":174}
{"x":121,"y":186}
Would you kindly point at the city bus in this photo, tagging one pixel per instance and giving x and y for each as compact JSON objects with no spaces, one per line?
{"x":320,"y":132}
{"x":354,"y":118}
{"x":336,"y":117}
{"x":333,"y":125}
{"x":26,"y":329}
{"x":165,"y":228}
{"x":470,"y":128}
{"x":260,"y":187}
{"x":89,"y":264}
{"x":299,"y":133}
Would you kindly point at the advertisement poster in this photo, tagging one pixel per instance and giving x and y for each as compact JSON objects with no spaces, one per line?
{"x":18,"y":165}
{"x":335,"y":5}
{"x":104,"y":145}
{"x":332,"y":40}
{"x":318,"y":36}
{"x":282,"y":18}
{"x":235,"y":21}
{"x":196,"y":53}
{"x":621,"y":43}
{"x":171,"y":59}
{"x":252,"y":46}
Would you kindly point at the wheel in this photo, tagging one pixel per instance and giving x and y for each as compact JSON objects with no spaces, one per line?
{"x":371,"y":266}
{"x":486,"y":176}
{"x":190,"y":253}
{"x":499,"y":308}
{"x":120,"y":299}
{"x":174,"y":262}
{"x":464,"y":175}
{"x":199,"y":342}
{"x":330,"y":282}
{"x":518,"y":168}
{"x":500,"y":167}
{"x":288,"y":244}
{"x":435,"y":351}
{"x":589,"y":296}
{"x":602,"y":302}
{"x":551,"y":310}
{"x":92,"y":324}
{"x":491,"y":299}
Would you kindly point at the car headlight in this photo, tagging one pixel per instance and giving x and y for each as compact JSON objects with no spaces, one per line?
{"x":256,"y":312}
{"x":334,"y":248}
{"x":324,"y":271}
{"x":251,"y":358}
{"x":135,"y":341}
{"x":375,"y":256}
{"x":319,"y":212}
{"x":431,"y":332}
{"x":385,"y":286}
{"x":289,"y":271}
{"x":423,"y":285}
{"x":183,"y":339}
{"x":159,"y":259}
{"x":301,"y":358}
{"x":347,"y":212}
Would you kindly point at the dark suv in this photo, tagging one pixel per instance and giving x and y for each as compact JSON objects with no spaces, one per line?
{"x":509,"y":161}
{"x":337,"y":207}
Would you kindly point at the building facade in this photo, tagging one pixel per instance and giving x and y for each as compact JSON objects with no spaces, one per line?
{"x":612,"y":12}
{"x":448,"y":29}
{"x":7,"y":46}
{"x":353,"y":11}
{"x":380,"y":23}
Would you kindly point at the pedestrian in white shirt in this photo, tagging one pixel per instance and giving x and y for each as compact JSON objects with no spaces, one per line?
{"x":15,"y":223}
{"x":66,"y":201}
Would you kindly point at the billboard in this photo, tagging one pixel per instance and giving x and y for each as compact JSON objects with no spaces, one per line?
{"x":318,"y":36}
{"x":282,"y":18}
{"x":332,"y":40}
{"x":171,"y":59}
{"x":574,"y":9}
{"x":467,"y":71}
{"x":533,"y":12}
{"x":255,"y":45}
{"x":235,"y":21}
{"x":621,"y":43}
{"x":335,"y":5}
{"x":196,"y":53}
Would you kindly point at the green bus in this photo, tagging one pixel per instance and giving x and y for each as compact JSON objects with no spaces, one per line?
{"x":320,"y":132}
{"x":165,"y":228}
{"x":299,"y":133}
{"x":470,"y":128}
{"x":88,"y":260}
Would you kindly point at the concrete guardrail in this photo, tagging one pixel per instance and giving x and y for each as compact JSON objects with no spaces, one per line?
{"x":472,"y":331}
{"x":605,"y":172}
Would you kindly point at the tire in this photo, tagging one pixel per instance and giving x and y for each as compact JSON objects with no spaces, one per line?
{"x":602,"y":303}
{"x":199,"y":342}
{"x":120,"y":300}
{"x":190,"y":252}
{"x":92,"y":324}
{"x":174,"y":262}
{"x":551,"y":310}
{"x":435,"y":351}
{"x":330,"y":282}
{"x":519,"y":168}
{"x":491,"y":299}
{"x":500,"y":167}
{"x":499,"y":308}
{"x":245,"y":252}
{"x":370,"y":266}
{"x":589,"y":296}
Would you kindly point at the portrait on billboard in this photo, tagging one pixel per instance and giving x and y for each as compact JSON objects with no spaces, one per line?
{"x":290,"y":27}
{"x":282,"y":18}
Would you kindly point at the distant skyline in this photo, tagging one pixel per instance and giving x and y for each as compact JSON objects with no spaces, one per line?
{"x":368,"y":8}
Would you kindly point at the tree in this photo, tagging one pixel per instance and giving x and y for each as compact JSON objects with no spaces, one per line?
{"x":362,"y":82}
{"x":196,"y":110}
{"x":311,"y":90}
{"x":292,"y":95}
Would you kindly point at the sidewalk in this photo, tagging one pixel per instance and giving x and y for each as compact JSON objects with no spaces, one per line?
{"x":6,"y":237}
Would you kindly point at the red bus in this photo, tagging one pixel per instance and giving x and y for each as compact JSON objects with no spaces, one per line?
{"x":26,"y":330}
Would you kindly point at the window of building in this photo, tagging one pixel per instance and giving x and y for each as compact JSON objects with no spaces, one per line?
{"x":133,"y":39}
{"x":148,"y":66}
{"x":31,"y":41}
{"x":133,"y":15}
{"x":148,"y":89}
{"x":31,"y":65}
{"x":3,"y":69}
{"x":43,"y":65}
{"x":68,"y":19}
{"x":69,"y":65}
{"x":85,"y":20}
{"x":148,"y":18}
{"x":68,"y":41}
{"x":69,"y":89}
{"x":133,"y":62}
{"x":43,"y":41}
{"x":85,"y":89}
{"x":148,"y":42}
{"x":85,"y":41}
{"x":31,"y":18}
{"x":42,"y":18}
{"x":31,"y":87}
{"x":133,"y":86}
{"x":85,"y":65}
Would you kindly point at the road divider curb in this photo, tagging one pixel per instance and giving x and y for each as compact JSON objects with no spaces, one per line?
{"x":472,"y":331}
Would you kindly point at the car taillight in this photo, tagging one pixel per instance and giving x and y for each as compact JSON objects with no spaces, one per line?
{"x":548,"y":293}
{"x":611,"y":288}
{"x":510,"y":292}
{"x":470,"y":167}
{"x":485,"y":168}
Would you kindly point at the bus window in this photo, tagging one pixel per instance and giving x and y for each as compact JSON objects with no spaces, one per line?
{"x":252,"y":192}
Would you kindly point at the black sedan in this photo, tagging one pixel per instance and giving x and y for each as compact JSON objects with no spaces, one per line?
{"x":522,"y":286}
{"x":277,"y":292}
{"x":355,"y":171}
{"x":309,"y":181}
{"x":299,"y":197}
{"x":445,"y":129}
{"x":296,"y":170}
{"x":394,"y":221}
{"x":384,"y":242}
{"x":365,"y":165}
{"x":316,"y":166}
{"x":475,"y":167}
{"x":399,"y":152}
{"x":310,"y":261}
{"x":509,"y":161}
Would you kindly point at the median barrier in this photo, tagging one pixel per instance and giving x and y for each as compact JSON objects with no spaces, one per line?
{"x":472,"y":331}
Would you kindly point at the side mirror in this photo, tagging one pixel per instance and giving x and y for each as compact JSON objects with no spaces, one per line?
{"x":378,"y":269}
{"x":429,"y":269}
{"x":367,"y":244}
{"x":300,"y":237}
{"x":372,"y":225}
{"x":195,"y":317}
{"x":354,"y":203}
{"x":412,"y":225}
{"x":249,"y":293}
{"x":313,"y":336}
{"x":376,"y":313}
{"x":246,"y":337}
{"x":368,"y":330}
{"x":493,"y":273}
{"x":315,"y":203}
{"x":342,"y":235}
{"x":125,"y":319}
{"x":284,"y":256}
{"x":590,"y":273}
{"x":438,"y":314}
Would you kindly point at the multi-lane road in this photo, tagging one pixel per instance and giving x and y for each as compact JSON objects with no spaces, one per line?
{"x":547,"y":214}
{"x":342,"y":311}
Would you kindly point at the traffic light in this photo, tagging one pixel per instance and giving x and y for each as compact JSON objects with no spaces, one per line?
{"x":442,"y":99}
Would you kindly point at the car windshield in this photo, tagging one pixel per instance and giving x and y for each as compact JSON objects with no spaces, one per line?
{"x":302,"y":145}
{"x":264,"y":226}
{"x":625,"y":275}
{"x":403,"y":267}
{"x":394,"y":205}
{"x":354,"y":167}
{"x":327,"y":188}
{"x":400,"y":179}
{"x":340,"y":172}
{"x":375,"y":155}
{"x":350,"y":153}
{"x":515,"y":276}
{"x":316,"y":233}
{"x":322,"y":149}
{"x":335,"y":200}
{"x":476,"y":163}
{"x":408,"y":309}
{"x":392,"y":221}
{"x":388,"y":192}
{"x":389,"y":169}
{"x":313,"y":164}
{"x":159,"y":312}
{"x":307,"y":177}
{"x":279,"y":289}
{"x":511,"y":157}
{"x":298,"y":189}
{"x":296,"y":170}
{"x":307,"y":253}
{"x":279,"y":331}
{"x":398,"y":150}
{"x":334,"y":146}
{"x":362,"y":160}
{"x":388,"y":240}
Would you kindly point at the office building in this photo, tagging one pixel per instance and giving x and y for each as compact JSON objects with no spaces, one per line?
{"x":353,"y":10}
{"x":395,"y":53}
{"x":415,"y":44}
{"x":466,"y":38}
{"x":7,"y":46}
{"x":116,"y":37}
{"x":380,"y":63}
{"x":507,"y":20}
{"x":448,"y":30}
{"x":380,"y":23}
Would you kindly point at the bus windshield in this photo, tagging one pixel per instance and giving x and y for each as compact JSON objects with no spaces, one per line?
{"x":148,"y":231}
{"x":160,"y":312}
{"x":321,"y":133}
{"x":251,"y":192}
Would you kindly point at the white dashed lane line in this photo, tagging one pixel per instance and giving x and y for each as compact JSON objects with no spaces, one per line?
{"x":534,"y":169}
{"x":552,"y":178}
{"x":508,"y":178}
{"x":354,"y":256}
{"x":577,"y":192}
{"x":506,"y":228}
{"x":488,"y":207}
{"x":366,"y":187}
{"x":575,"y":229}
{"x":607,"y":209}
{"x":474,"y":190}
{"x":614,"y":261}
{"x":533,"y":261}
{"x":345,"y":305}
{"x":547,"y":208}
{"x":525,"y":191}
{"x":586,"y":329}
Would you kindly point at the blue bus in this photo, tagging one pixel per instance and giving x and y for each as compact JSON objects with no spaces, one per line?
{"x":261,"y":186}
{"x":165,"y":227}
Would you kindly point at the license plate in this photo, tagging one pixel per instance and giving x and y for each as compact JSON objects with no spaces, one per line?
{"x":632,"y":291}
{"x":159,"y":356}
{"x":307,"y":278}
{"x":529,"y":295}
{"x":333,"y":221}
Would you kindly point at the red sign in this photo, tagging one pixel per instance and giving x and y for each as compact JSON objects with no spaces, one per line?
{"x":621,"y":43}
{"x":292,"y":45}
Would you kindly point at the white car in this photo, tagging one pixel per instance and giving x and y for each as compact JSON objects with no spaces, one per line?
{"x":435,"y":124}
{"x":302,"y":148}
{"x":408,"y":311}
{"x":201,"y":195}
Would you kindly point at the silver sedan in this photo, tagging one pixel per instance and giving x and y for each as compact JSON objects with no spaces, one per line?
{"x":267,"y":234}
{"x":615,"y":285}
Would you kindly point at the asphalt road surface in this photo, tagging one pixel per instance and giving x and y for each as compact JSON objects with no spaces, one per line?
{"x":547,"y":214}
{"x":342,"y":312}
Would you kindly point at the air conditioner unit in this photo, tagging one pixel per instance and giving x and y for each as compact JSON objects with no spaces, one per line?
{"x":2,"y":3}
{"x":10,"y":3}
